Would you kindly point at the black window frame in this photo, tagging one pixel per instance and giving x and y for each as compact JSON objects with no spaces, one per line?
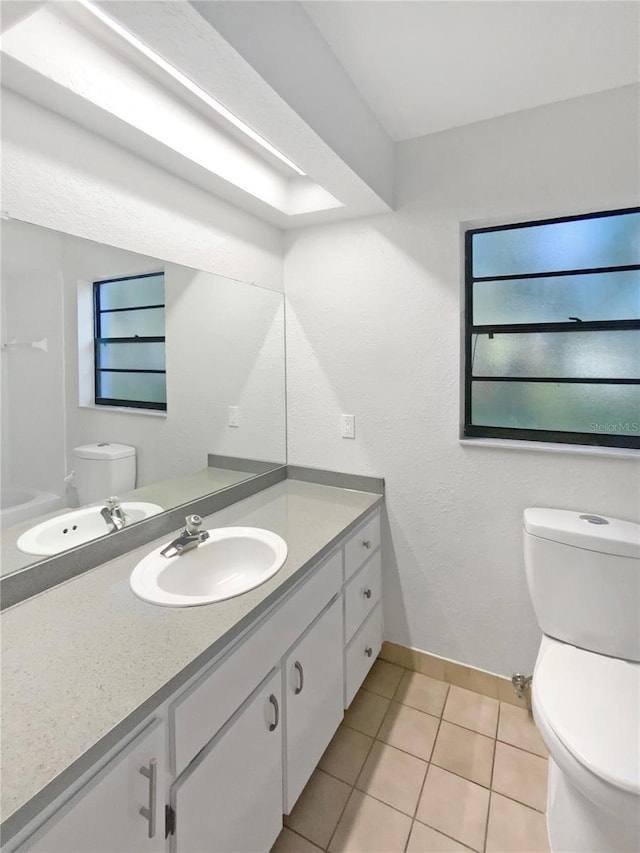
{"x":98,"y":339}
{"x":471,"y":430}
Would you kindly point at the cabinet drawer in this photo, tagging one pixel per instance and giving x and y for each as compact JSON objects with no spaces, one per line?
{"x":361,"y":545}
{"x":361,"y":595}
{"x":361,"y":653}
{"x":199,"y":713}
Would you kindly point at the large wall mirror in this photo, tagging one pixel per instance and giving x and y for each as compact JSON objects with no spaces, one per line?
{"x":223,"y":354}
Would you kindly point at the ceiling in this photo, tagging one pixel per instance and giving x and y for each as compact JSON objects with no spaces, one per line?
{"x":431,"y":65}
{"x":330,"y":84}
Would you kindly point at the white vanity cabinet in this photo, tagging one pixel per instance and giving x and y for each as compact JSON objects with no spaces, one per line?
{"x":228,"y":754}
{"x":229,"y":800}
{"x":120,"y":810}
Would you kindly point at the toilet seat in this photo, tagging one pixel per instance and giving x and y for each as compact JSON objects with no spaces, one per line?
{"x":587,"y":707}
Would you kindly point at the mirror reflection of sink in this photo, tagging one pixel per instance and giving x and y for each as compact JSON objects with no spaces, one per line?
{"x":231,"y":561}
{"x":77,"y":527}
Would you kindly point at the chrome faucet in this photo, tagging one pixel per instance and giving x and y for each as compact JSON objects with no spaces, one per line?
{"x":113,"y":514}
{"x":190,"y":538}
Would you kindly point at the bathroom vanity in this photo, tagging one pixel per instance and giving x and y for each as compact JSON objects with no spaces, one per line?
{"x":182,"y":729}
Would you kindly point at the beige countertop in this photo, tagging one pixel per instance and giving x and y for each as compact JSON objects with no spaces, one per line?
{"x":86,"y":661}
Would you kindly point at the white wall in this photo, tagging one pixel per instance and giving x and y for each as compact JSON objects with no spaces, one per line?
{"x":33,"y":417}
{"x":373,"y":328}
{"x":56,"y":174}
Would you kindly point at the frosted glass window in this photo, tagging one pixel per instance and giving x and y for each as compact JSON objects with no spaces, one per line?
{"x":142,"y":323}
{"x":552,"y":330}
{"x":130,"y":364}
{"x":143,"y":356}
{"x":141,"y":387}
{"x":603,"y":296}
{"x":132,"y":292}
{"x":578,"y":355}
{"x":589,"y":409}
{"x":604,"y":241}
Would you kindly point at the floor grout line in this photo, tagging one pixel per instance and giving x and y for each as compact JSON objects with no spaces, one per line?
{"x":424,"y":781}
{"x":446,"y":835}
{"x":493,"y":765}
{"x":519,"y":802}
{"x":353,"y":786}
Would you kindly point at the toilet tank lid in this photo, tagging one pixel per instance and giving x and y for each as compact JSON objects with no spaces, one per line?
{"x":104,"y":451}
{"x":585,"y":530}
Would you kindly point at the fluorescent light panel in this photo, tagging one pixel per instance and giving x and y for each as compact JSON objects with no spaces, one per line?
{"x":181,"y":78}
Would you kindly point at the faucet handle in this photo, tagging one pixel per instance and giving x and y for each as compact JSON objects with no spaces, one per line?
{"x":112,"y":503}
{"x":193,"y":524}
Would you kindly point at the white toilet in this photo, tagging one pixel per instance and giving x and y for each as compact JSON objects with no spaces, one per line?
{"x":102,"y":470}
{"x":583,"y":573}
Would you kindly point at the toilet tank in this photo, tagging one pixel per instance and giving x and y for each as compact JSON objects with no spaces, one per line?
{"x":102,"y":470}
{"x":583,"y":573}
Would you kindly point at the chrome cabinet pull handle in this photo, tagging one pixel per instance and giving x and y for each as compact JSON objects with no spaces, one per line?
{"x":368,"y":651}
{"x":149,"y":812}
{"x":367,"y":593}
{"x":366,"y":543}
{"x":273,"y":726}
{"x":297,"y":665}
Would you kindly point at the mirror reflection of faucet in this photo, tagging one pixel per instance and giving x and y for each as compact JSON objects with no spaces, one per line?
{"x":190,"y":538}
{"x":113,"y":514}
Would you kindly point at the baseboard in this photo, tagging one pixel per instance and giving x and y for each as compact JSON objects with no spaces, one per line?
{"x":495,"y":686}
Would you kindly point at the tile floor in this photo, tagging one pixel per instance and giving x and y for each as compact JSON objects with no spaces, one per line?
{"x":421,"y":766}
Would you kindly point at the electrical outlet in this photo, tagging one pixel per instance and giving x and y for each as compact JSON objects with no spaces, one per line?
{"x":348,"y":423}
{"x":234,"y":416}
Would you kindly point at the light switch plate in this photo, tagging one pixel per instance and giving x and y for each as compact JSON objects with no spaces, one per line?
{"x":234,"y":416}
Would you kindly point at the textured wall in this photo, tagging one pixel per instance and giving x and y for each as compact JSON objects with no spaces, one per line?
{"x":373,"y":328}
{"x":56,"y":174}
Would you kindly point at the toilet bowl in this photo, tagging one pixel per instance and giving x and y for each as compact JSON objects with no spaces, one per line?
{"x":586,"y":702}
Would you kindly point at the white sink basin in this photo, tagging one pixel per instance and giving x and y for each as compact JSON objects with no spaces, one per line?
{"x":77,"y":527}
{"x":231,"y":561}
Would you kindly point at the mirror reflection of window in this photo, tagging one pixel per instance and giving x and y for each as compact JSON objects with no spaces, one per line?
{"x":130,"y":366}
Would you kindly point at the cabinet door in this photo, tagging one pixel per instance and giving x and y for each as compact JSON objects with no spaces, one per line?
{"x":104,"y":816}
{"x":229,"y":799}
{"x":313,"y":699}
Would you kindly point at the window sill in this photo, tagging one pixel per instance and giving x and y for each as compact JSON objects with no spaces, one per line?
{"x":124,"y":410}
{"x":549,"y":447}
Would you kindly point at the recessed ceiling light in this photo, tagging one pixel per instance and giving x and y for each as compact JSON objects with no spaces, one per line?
{"x":181,"y":78}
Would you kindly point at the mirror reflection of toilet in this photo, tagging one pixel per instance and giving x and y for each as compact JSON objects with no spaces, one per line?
{"x":583,"y":573}
{"x":102,"y":470}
